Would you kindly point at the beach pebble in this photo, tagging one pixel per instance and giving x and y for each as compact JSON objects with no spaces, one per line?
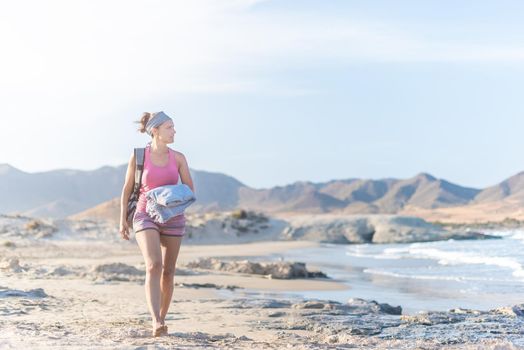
{"x":32,"y":293}
{"x":309,"y":305}
{"x":518,"y":310}
{"x":11,"y":264}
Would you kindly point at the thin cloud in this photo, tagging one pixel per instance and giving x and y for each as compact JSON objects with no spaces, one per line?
{"x":136,"y":48}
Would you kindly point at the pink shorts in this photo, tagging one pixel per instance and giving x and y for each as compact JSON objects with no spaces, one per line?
{"x":173,"y":227}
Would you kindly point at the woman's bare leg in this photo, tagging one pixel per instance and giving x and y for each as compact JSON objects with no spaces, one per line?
{"x":170,"y":249}
{"x":149,"y":243}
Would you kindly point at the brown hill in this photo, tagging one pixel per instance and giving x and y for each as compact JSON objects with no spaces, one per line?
{"x":424,"y":191}
{"x":60,"y":193}
{"x":357,"y":190}
{"x":300,"y":196}
{"x":511,"y":188}
{"x":109,"y":210}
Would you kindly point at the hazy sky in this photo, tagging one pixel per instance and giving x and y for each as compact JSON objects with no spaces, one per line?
{"x":270,"y":92}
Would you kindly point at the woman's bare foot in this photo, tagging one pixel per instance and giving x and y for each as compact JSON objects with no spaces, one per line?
{"x":158,"y":328}
{"x":163,"y":322}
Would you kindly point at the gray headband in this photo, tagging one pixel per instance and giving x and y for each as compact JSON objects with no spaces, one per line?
{"x":156,"y":120}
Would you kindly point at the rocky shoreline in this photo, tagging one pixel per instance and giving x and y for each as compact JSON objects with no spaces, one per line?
{"x":297,"y":323}
{"x":324,"y":228}
{"x":245,"y":226}
{"x":279,"y":270}
{"x":76,"y":284}
{"x":373,"y":229}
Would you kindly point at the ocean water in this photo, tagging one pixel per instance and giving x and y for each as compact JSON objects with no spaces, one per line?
{"x":474,"y":274}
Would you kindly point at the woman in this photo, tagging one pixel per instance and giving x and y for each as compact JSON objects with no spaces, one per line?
{"x":159,"y":243}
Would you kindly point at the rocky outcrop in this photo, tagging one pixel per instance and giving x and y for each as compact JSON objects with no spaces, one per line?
{"x":26,"y":227}
{"x":232,"y":227}
{"x":243,"y":226}
{"x":329,"y":229}
{"x":297,"y":323}
{"x":279,"y":270}
{"x":116,"y":272}
{"x":16,"y":293}
{"x":370,"y":229}
{"x":11,"y":264}
{"x":248,"y":226}
{"x":371,"y":325}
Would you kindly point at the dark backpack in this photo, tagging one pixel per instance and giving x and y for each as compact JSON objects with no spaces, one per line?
{"x":133,"y":198}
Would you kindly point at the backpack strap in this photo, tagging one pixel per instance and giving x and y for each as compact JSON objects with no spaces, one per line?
{"x":140,"y":155}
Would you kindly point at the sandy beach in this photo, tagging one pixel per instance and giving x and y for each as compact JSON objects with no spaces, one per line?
{"x":85,"y":291}
{"x":299,"y":174}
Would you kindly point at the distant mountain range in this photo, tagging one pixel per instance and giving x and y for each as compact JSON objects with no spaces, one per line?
{"x":62,"y":193}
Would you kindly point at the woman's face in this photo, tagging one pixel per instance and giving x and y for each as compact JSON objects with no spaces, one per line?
{"x":166,"y":132}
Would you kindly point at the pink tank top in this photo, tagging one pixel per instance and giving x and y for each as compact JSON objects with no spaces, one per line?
{"x":155,"y":176}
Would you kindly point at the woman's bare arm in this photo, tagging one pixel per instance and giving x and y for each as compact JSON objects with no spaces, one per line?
{"x":128,"y":187}
{"x":183,"y":170}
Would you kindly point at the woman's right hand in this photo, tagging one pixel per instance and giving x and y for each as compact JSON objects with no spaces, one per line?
{"x":124,"y":229}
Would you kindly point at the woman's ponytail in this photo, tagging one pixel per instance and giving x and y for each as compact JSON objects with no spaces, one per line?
{"x":143,"y":121}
